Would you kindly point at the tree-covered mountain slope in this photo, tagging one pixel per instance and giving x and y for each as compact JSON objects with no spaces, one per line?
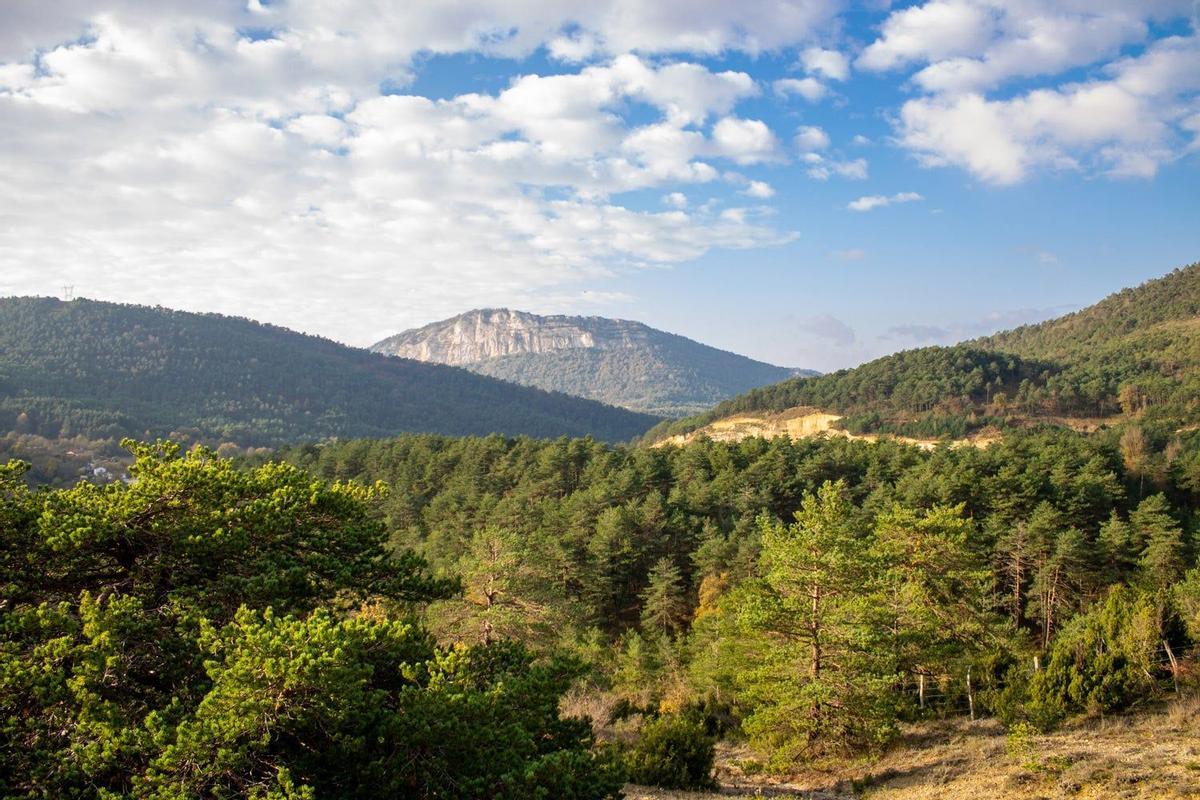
{"x":104,"y":370}
{"x":1136,"y":352}
{"x":619,"y":362}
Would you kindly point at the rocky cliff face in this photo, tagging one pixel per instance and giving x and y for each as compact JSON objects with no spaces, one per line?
{"x":495,"y":333}
{"x":615,"y":361}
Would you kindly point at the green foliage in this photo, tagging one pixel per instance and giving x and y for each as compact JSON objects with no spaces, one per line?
{"x":109,"y":371}
{"x":600,"y":540}
{"x":212,"y":632}
{"x":939,"y":381}
{"x":664,"y":606}
{"x":823,"y":677}
{"x":1103,"y":660}
{"x":1136,"y":352}
{"x":673,"y":752}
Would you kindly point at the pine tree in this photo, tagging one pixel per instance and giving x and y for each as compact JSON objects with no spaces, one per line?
{"x":664,"y":602}
{"x":1163,"y":548}
{"x":1059,"y":586}
{"x":821,"y":680}
{"x":1119,"y":551}
{"x":937,"y":588}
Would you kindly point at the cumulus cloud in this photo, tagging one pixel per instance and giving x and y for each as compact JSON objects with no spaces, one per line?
{"x":676,"y":200}
{"x":936,"y":30}
{"x":868,"y":202}
{"x":760,"y":189}
{"x":1123,"y":124}
{"x":828,"y":63}
{"x":810,"y":89}
{"x":811,"y":137}
{"x":822,"y":168}
{"x":746,"y":141}
{"x":1126,"y":120}
{"x":218,"y":152}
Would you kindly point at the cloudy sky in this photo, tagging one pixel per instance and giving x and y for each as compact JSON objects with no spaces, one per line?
{"x":810,"y":182}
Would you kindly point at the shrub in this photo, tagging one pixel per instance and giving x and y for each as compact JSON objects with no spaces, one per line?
{"x":673,"y":752}
{"x":1104,"y":660}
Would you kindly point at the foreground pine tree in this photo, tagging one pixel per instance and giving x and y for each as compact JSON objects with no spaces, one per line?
{"x":210,"y":632}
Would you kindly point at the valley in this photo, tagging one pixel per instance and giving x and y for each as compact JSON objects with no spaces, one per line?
{"x":599,"y":400}
{"x":807,"y":590}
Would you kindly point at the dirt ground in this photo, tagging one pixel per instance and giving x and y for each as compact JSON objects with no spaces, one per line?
{"x":1149,"y":755}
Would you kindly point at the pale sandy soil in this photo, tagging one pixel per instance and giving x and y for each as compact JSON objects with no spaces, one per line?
{"x":1153,"y":755}
{"x":801,"y":423}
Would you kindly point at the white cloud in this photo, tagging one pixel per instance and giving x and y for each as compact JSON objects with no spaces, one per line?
{"x":974,"y":45}
{"x":746,"y":141}
{"x":1126,"y":119}
{"x":1035,"y":45}
{"x":853,"y":254}
{"x":822,"y":168}
{"x":810,"y":89}
{"x":829,"y":63}
{"x":676,"y":200}
{"x":208,"y":169}
{"x":1123,"y":125}
{"x":938,"y":29}
{"x":759,"y":189}
{"x":868,"y":202}
{"x":811,"y":137}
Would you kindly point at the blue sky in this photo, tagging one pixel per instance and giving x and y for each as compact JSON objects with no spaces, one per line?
{"x":811,"y":183}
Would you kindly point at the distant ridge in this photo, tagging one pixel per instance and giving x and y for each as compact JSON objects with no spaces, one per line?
{"x":1134,"y":356}
{"x":620,"y":362}
{"x":104,"y":370}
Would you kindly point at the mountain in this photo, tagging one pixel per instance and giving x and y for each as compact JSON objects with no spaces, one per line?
{"x":1134,"y":354}
{"x":103,"y":370}
{"x":615,"y":361}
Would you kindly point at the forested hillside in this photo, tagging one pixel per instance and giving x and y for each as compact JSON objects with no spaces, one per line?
{"x":104,"y":371}
{"x":1136,"y":353}
{"x":949,"y":582}
{"x":615,"y":361}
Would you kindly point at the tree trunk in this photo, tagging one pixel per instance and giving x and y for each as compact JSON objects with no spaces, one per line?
{"x":815,"y":630}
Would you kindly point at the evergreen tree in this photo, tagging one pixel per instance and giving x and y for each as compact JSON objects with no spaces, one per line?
{"x":1118,"y":548}
{"x":937,"y":589}
{"x":822,"y":680}
{"x":664,"y":602}
{"x":1163,"y":552}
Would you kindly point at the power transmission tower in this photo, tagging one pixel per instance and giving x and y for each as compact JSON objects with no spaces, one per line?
{"x":68,"y":293}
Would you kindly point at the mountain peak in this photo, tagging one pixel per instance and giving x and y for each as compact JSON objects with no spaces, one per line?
{"x":616,"y":361}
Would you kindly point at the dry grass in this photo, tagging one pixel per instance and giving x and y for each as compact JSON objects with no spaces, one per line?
{"x":1151,"y":755}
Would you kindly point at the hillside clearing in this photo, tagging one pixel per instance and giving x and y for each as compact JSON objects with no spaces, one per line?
{"x":1155,"y":755}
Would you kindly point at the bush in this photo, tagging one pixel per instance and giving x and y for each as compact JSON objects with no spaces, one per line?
{"x":1104,"y":660}
{"x":674,"y":752}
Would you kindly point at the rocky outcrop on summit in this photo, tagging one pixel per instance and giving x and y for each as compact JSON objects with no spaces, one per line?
{"x":619,"y":362}
{"x":494,"y":333}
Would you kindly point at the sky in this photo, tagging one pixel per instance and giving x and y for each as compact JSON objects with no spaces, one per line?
{"x":812,"y":183}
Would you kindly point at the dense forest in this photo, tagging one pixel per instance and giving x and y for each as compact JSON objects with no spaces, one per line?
{"x":428,"y":616}
{"x":1134,"y":353}
{"x":104,"y":371}
{"x":666,"y":378}
{"x":494,"y":617}
{"x":811,"y":595}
